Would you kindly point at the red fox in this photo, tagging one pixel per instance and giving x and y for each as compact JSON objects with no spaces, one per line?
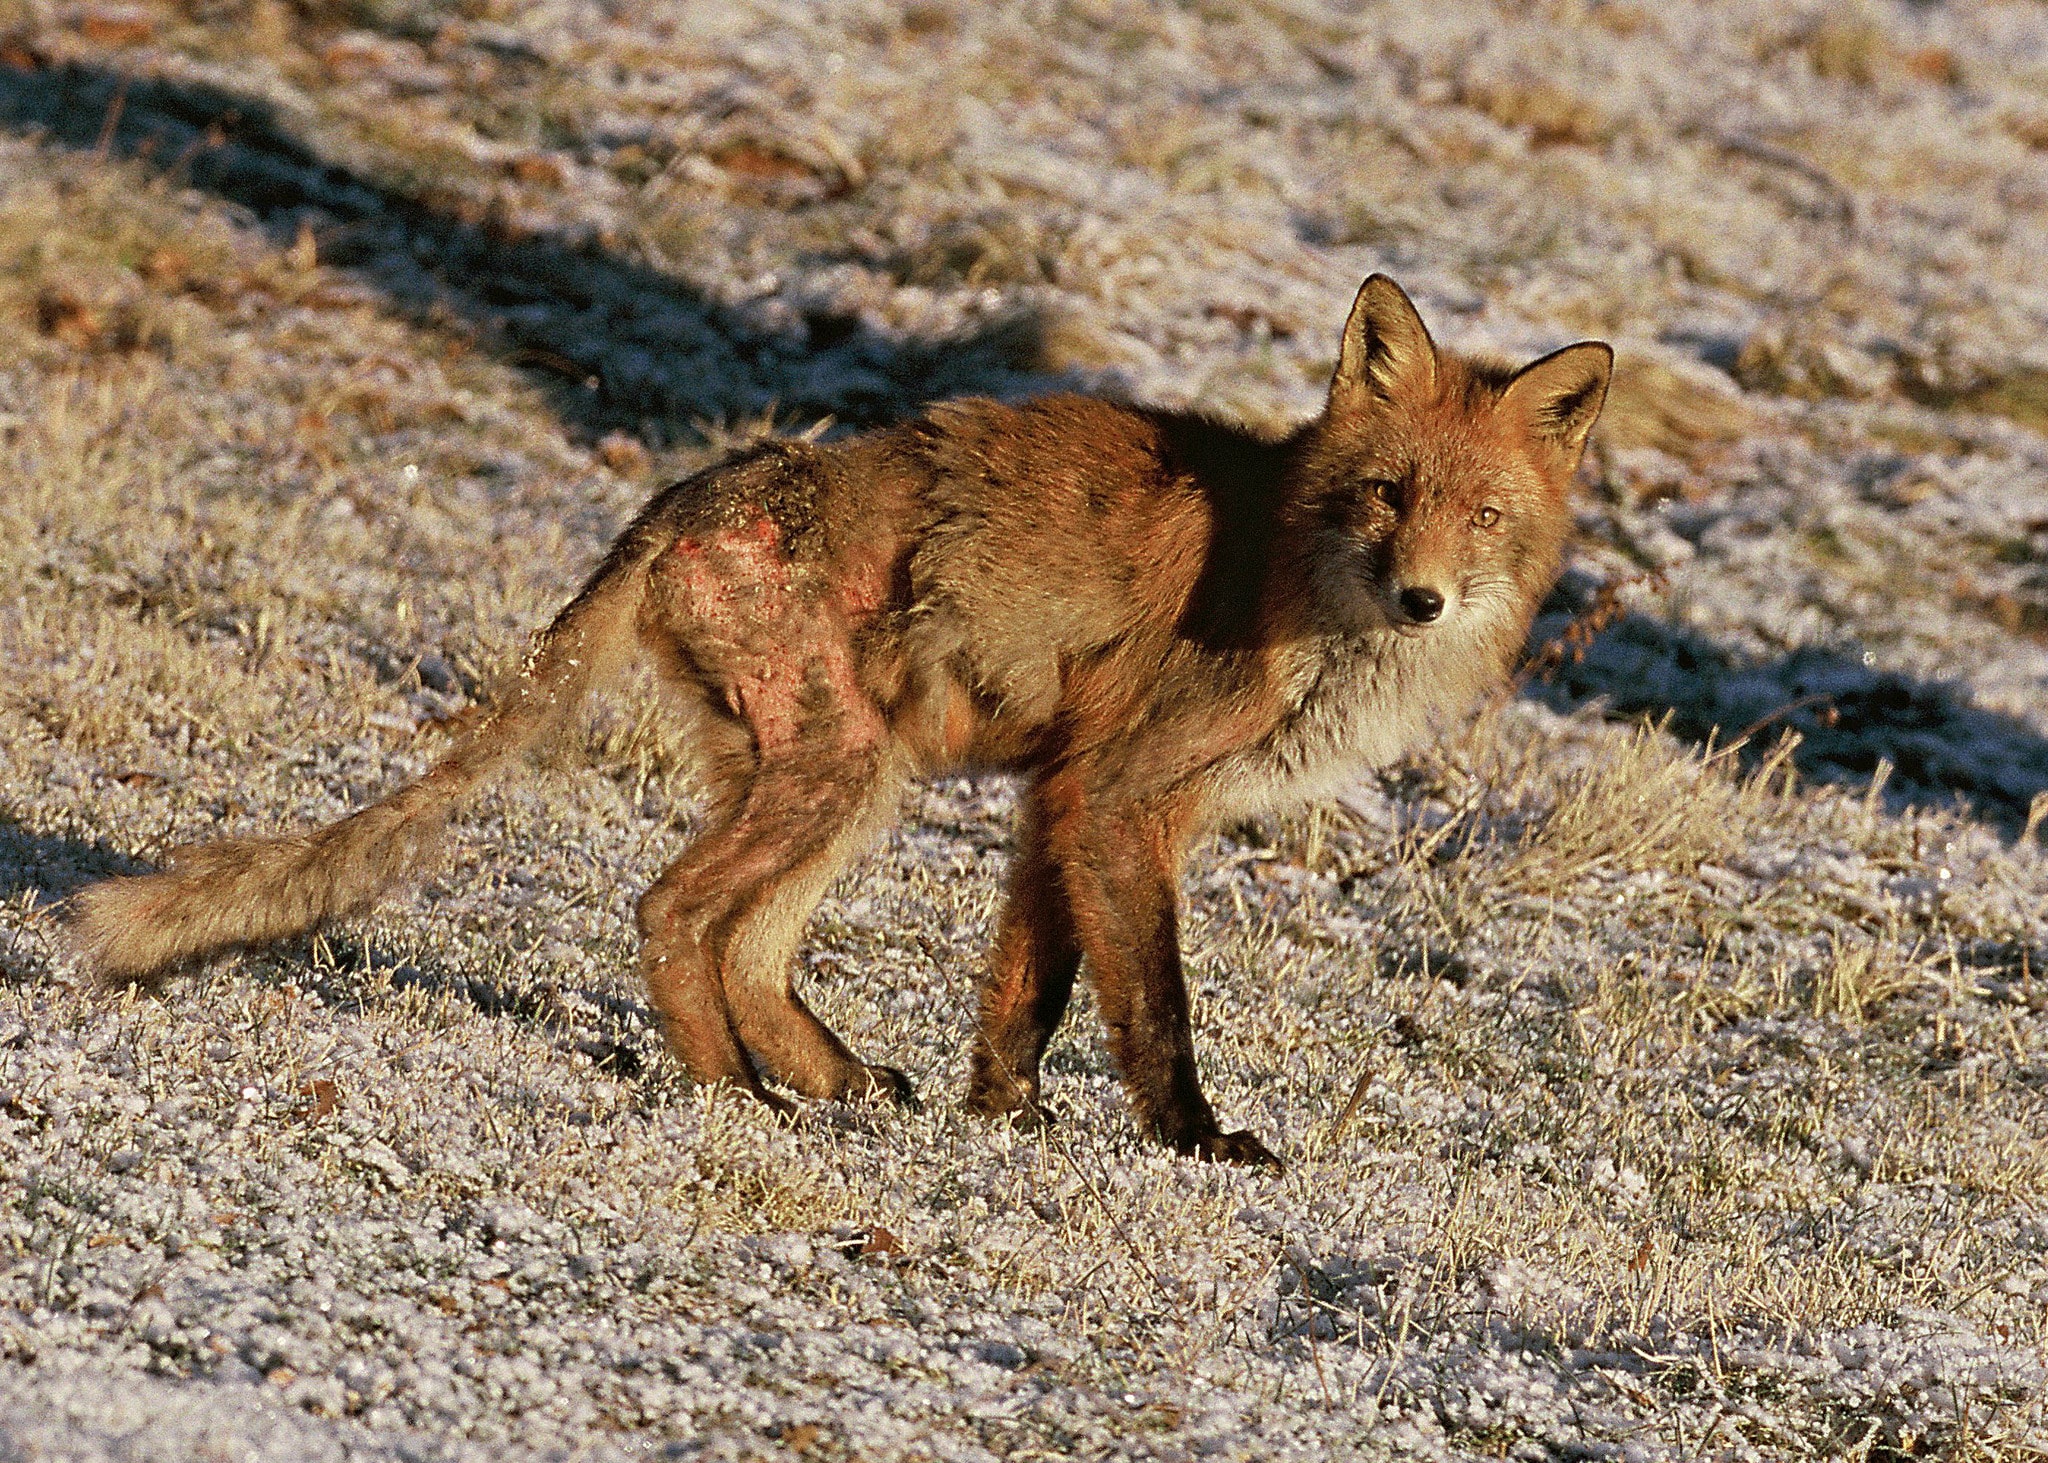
{"x":1159,"y":621}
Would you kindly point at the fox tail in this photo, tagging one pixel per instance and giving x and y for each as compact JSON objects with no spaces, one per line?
{"x":253,"y":891}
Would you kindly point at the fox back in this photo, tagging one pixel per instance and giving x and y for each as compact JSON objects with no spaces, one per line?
{"x":1257,"y":617}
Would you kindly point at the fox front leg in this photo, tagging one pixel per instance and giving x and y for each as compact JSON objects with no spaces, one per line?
{"x":1125,"y":921}
{"x":1031,"y":977}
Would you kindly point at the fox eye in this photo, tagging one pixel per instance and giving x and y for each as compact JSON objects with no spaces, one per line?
{"x":1487,"y":517}
{"x":1382,"y":491}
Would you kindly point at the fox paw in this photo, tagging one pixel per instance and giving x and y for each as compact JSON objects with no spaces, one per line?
{"x":1010,"y":1106}
{"x":783,"y":1110}
{"x":1238,"y":1148}
{"x":891,"y":1084}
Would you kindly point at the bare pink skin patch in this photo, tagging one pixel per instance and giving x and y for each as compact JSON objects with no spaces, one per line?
{"x":777,"y":635}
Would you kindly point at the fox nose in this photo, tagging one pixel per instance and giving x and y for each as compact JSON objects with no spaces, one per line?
{"x":1421,"y":605}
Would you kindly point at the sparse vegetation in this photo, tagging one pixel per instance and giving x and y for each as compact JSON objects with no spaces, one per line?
{"x":1660,"y":1060}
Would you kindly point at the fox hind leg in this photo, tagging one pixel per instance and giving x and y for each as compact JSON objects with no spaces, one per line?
{"x":681,"y":972}
{"x":800,"y":828}
{"x":721,"y":927}
{"x":808,"y":766}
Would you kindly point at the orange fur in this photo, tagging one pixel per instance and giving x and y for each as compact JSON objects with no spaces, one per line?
{"x":1159,"y":620}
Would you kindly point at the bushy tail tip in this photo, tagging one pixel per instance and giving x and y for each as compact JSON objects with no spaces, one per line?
{"x":241,"y":892}
{"x":217,"y":896}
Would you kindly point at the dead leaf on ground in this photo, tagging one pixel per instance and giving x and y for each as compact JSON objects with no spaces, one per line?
{"x":117,"y":25}
{"x":62,"y":314}
{"x":539,"y":167}
{"x":324,"y":1096}
{"x":165,"y":268}
{"x":624,"y":455}
{"x":802,"y":1437}
{"x":876,"y":1243}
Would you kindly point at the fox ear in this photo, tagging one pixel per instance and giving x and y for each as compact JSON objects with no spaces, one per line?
{"x":1561,"y":395}
{"x":1386,"y":352}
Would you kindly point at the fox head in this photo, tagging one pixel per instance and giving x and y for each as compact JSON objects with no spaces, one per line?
{"x":1433,"y":490}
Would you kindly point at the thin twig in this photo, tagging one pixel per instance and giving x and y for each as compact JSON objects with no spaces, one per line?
{"x":111,"y":121}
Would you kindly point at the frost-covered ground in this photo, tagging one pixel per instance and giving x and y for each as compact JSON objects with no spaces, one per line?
{"x":1668,"y":1093}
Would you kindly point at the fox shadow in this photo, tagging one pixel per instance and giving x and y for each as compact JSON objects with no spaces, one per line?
{"x":348,"y":968}
{"x":615,"y":1032}
{"x":614,"y":343}
{"x":1944,"y":750}
{"x":49,"y":866}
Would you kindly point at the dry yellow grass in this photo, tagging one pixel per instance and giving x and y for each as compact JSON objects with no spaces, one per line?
{"x":1638,"y":1068}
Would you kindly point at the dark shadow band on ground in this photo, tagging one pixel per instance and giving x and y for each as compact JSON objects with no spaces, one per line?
{"x":615,"y":343}
{"x":49,"y":866}
{"x":620,"y":345}
{"x":46,"y":867}
{"x":1944,"y":750}
{"x":348,"y":968}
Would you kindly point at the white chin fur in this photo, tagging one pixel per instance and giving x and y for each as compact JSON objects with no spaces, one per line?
{"x":1365,"y":699}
